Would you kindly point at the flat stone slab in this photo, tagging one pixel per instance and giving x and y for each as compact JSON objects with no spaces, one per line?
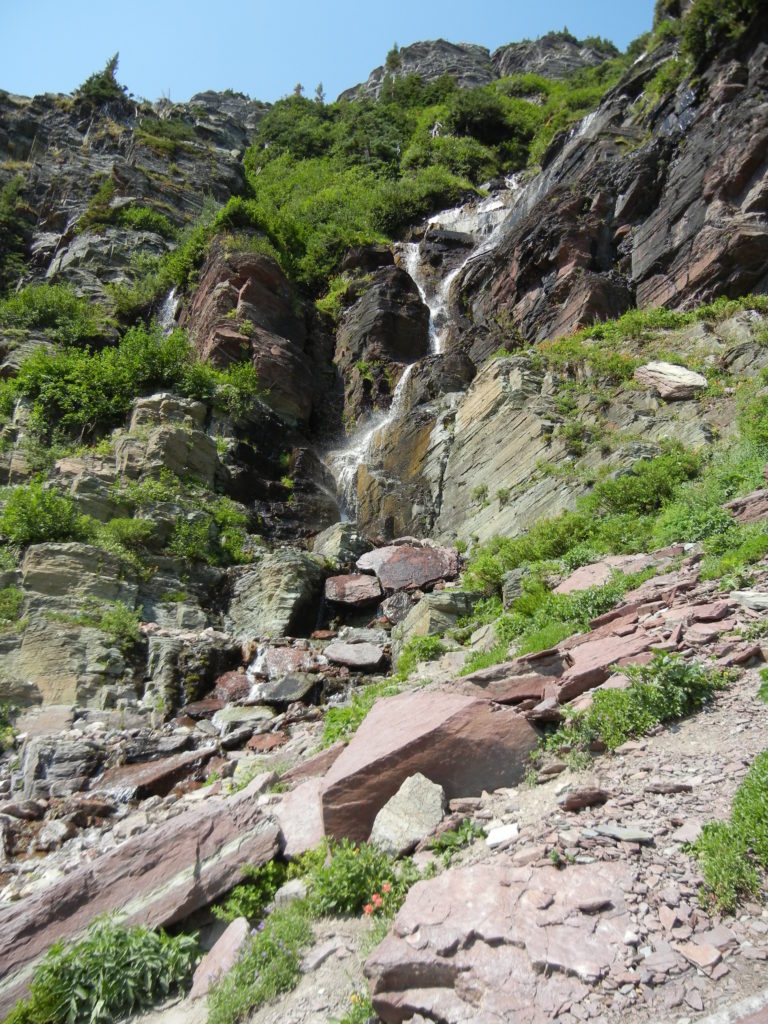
{"x":231,"y":718}
{"x":151,"y":778}
{"x":220,"y":959}
{"x":355,"y":590}
{"x":404,"y":567}
{"x":365,"y":657}
{"x":499,"y":942}
{"x":156,"y":878}
{"x":292,"y":686}
{"x":464,"y":744}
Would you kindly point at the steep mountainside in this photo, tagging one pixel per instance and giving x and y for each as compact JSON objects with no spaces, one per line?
{"x":458,"y":386}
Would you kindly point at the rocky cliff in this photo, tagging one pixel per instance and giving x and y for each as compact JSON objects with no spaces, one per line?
{"x":462,"y":375}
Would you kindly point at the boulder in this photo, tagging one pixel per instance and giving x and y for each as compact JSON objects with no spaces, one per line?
{"x":276,"y":660}
{"x":512,"y":585}
{"x":363,"y":657}
{"x":340,"y":544}
{"x":156,"y":878}
{"x":172,"y":448}
{"x":288,"y":688}
{"x":58,"y":765}
{"x":412,"y":814}
{"x":405,"y":567}
{"x":152,"y":778}
{"x":751,"y":508}
{"x":300,"y":814}
{"x":232,"y":717}
{"x":670,"y":381}
{"x":434,"y":615}
{"x":461,"y":743}
{"x":221,"y":958}
{"x":499,"y":942}
{"x":276,"y":597}
{"x":356,"y":590}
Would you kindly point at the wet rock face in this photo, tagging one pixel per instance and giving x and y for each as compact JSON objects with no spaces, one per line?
{"x":592,"y":238}
{"x":385,"y":329}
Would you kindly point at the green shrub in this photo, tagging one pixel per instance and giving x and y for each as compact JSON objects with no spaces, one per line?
{"x":711,"y":23}
{"x":34,"y":515}
{"x":252,"y":897}
{"x":269,"y":964}
{"x":76,"y":389}
{"x":133,"y":534}
{"x":6,"y":727}
{"x":114,"y":971}
{"x":144,"y":218}
{"x":102,"y":86}
{"x":340,"y":723}
{"x":420,"y":648}
{"x":666,"y":689}
{"x":15,"y":229}
{"x":447,"y":844}
{"x":11,"y":601}
{"x":55,"y":310}
{"x":733,"y":855}
{"x":350,"y":875}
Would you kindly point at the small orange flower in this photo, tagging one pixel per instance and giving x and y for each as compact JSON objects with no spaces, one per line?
{"x":368,"y":909}
{"x":386,"y":887}
{"x":376,"y":900}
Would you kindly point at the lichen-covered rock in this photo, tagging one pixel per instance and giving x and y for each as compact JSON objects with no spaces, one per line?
{"x":670,"y":381}
{"x":409,"y":816}
{"x":278,"y":596}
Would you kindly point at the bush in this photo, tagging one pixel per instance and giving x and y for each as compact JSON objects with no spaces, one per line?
{"x":14,"y":232}
{"x":268,"y":964}
{"x":666,"y":689}
{"x":112,"y":972}
{"x":351,"y":874}
{"x":55,"y":310}
{"x":711,"y":23}
{"x":420,"y":648}
{"x":102,"y":86}
{"x":34,"y":515}
{"x":75,"y":389}
{"x":732,"y":855}
{"x":252,"y":898}
{"x":11,"y":601}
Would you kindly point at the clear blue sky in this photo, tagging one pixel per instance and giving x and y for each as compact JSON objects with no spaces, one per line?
{"x":180,"y":47}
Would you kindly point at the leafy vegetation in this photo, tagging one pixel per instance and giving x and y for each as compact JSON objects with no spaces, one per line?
{"x":6,"y":727}
{"x":78,"y":389}
{"x":341,"y":722}
{"x":14,"y":232}
{"x":102,"y":86}
{"x":734,"y":855}
{"x":349,"y":876}
{"x":114,"y":971}
{"x":268,"y":965}
{"x":55,"y":310}
{"x":666,"y":689}
{"x":712,"y":23}
{"x":34,"y":514}
{"x":448,"y":843}
{"x":420,"y":648}
{"x":252,"y":898}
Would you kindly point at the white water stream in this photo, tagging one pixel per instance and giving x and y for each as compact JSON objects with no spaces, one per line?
{"x":166,"y":318}
{"x":483,"y":222}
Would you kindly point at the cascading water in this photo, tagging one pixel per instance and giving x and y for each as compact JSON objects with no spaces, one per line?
{"x":166,"y":318}
{"x":482,"y":221}
{"x":344,"y":462}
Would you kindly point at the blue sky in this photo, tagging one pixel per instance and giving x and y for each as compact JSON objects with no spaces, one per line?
{"x":178,"y":47}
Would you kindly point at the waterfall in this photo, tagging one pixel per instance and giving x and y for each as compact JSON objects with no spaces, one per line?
{"x":166,"y":318}
{"x":483,"y":221}
{"x":344,"y":462}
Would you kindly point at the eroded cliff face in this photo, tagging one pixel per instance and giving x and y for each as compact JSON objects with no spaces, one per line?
{"x":445,"y":414}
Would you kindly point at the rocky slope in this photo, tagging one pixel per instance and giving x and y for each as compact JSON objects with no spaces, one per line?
{"x":230,"y":571}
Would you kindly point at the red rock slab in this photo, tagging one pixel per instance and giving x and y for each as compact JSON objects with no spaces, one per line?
{"x":750,"y":508}
{"x":151,"y":778}
{"x":265,"y":741}
{"x":593,"y":659}
{"x":355,"y":590}
{"x":403,"y":567}
{"x":220,"y":959}
{"x":275,"y":661}
{"x":462,"y":743}
{"x":314,"y":766}
{"x":598,"y":573}
{"x":205,"y":708}
{"x":365,"y":657}
{"x":499,"y":942}
{"x":232,"y":686}
{"x":508,"y":691}
{"x":156,"y":878}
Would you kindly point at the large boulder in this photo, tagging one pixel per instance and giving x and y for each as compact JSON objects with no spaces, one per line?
{"x":340,"y":545}
{"x":463,"y":744}
{"x":407,"y":567}
{"x":416,"y":809}
{"x":355,"y":590}
{"x":278,"y":596}
{"x":495,"y":942}
{"x":670,"y":381}
{"x":156,"y":878}
{"x":434,"y":615}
